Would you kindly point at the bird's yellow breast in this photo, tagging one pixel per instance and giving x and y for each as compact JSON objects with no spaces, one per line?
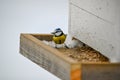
{"x":59,"y":39}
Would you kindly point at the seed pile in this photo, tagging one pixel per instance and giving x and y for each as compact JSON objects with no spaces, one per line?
{"x":84,"y":54}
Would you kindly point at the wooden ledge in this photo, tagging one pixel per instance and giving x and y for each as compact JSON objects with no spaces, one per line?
{"x":32,"y":47}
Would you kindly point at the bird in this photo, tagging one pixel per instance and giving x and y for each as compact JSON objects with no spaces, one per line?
{"x":69,"y":42}
{"x":58,"y":36}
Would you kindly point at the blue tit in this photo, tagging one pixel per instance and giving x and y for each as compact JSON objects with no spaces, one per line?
{"x":58,"y":36}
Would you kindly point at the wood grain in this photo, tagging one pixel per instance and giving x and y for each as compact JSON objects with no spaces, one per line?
{"x":101,"y":71}
{"x":37,"y":52}
{"x":62,"y":66}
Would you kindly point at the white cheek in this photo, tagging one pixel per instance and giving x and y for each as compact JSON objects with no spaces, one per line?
{"x":58,"y":33}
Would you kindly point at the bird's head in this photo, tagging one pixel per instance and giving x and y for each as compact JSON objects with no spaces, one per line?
{"x":57,"y":32}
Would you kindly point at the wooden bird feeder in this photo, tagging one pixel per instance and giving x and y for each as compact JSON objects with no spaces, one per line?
{"x":51,"y":59}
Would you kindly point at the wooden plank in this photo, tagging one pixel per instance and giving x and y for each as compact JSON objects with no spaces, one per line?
{"x":95,"y":71}
{"x":43,"y":57}
{"x":47,"y":37}
{"x":40,"y":44}
{"x":76,"y":71}
{"x":101,"y":71}
{"x":62,"y":66}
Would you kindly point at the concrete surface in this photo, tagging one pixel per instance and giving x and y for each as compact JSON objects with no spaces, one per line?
{"x":96,"y":23}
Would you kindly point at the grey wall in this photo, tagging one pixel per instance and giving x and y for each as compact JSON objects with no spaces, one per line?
{"x":27,"y":16}
{"x":97,"y":23}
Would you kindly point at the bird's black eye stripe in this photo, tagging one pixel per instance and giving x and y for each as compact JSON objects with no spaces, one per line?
{"x":58,"y":31}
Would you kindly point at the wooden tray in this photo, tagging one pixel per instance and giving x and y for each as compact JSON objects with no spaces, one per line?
{"x":62,"y":66}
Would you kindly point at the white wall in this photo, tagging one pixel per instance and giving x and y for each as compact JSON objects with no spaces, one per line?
{"x":27,"y":16}
{"x":97,"y":23}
